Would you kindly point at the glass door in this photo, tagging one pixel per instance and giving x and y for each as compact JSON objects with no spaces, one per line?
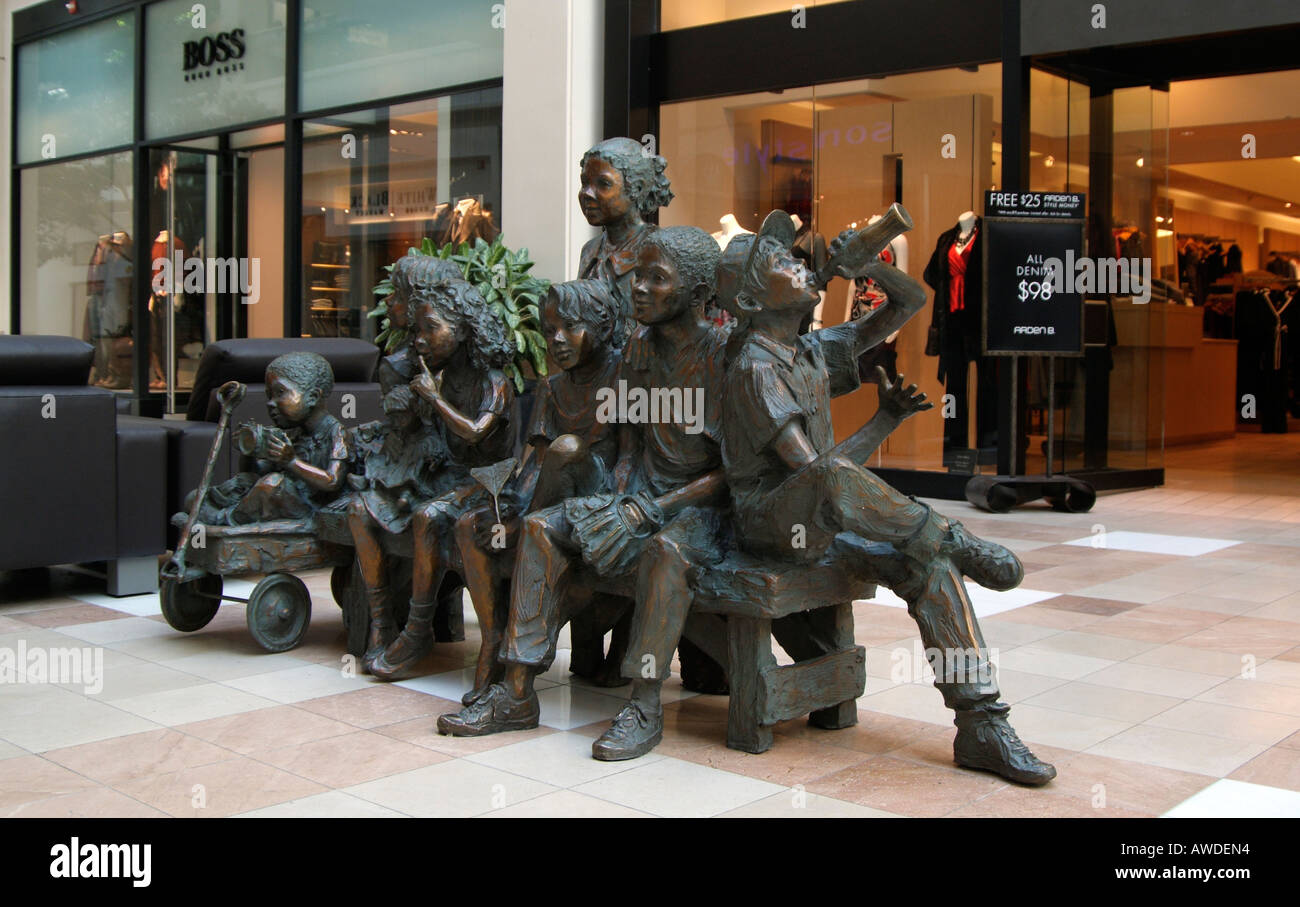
{"x":196,"y":271}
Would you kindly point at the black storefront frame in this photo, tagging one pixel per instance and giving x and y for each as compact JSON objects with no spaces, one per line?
{"x":646,"y":68}
{"x":51,"y":18}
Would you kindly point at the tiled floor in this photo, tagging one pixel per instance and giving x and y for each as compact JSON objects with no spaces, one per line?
{"x":1152,"y":654}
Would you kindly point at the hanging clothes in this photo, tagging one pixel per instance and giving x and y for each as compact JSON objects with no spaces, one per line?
{"x":1265,"y":353}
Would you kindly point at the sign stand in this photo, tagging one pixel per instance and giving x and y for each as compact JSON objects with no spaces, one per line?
{"x":1031,"y":309}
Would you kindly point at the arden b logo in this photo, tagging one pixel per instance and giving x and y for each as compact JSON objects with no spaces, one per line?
{"x":218,"y":54}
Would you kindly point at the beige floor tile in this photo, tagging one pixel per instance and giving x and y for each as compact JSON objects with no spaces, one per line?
{"x":1255,"y":694}
{"x":1094,"y":645}
{"x":1249,"y":725}
{"x":1125,"y":784}
{"x":218,"y":789}
{"x":27,"y":779}
{"x":71,"y":614}
{"x":138,"y":755}
{"x":1067,"y":730}
{"x":675,"y":788}
{"x":1008,"y":634}
{"x":107,"y":632}
{"x":1246,"y":635}
{"x":920,"y":702}
{"x":799,"y":804}
{"x":452,"y":789}
{"x":906,"y":787}
{"x":1189,"y":658}
{"x":376,"y":705}
{"x":1287,"y":608}
{"x":561,"y":760}
{"x":1275,"y":767}
{"x":1196,"y":601}
{"x":283,"y":725}
{"x":1015,"y":802}
{"x":196,"y":703}
{"x":1156,"y":623}
{"x":95,"y":803}
{"x":1253,"y":587}
{"x":297,"y":684}
{"x":1277,"y":671}
{"x":791,"y":762}
{"x":136,"y":680}
{"x":1180,"y":750}
{"x":68,"y":719}
{"x":224,"y":665}
{"x":1152,"y":679}
{"x":1067,"y":666}
{"x":332,"y":804}
{"x":348,"y":759}
{"x":1104,"y":702}
{"x":567,"y":804}
{"x":10,"y":751}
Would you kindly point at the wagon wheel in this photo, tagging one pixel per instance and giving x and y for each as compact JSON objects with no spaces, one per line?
{"x":356,"y":613}
{"x":279,"y":612}
{"x":190,"y":606}
{"x":340,"y":578}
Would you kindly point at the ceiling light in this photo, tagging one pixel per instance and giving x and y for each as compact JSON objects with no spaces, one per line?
{"x":1049,"y":161}
{"x":1141,"y":161}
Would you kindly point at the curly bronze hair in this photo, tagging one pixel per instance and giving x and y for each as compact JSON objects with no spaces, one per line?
{"x":307,"y":371}
{"x":693,"y":252}
{"x":592,"y":302}
{"x":644,"y":182}
{"x":461,"y":305}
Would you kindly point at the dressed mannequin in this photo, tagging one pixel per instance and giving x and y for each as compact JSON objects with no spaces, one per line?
{"x":730,"y":227}
{"x":956,"y":273}
{"x":1266,"y":352}
{"x":864,"y":296}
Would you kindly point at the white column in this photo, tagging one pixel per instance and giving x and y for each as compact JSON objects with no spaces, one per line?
{"x":551,"y":114}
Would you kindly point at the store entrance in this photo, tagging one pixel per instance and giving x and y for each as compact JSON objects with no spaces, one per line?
{"x":215,"y":255}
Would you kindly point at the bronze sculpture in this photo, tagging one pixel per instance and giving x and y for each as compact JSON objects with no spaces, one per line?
{"x":789,"y":480}
{"x":571,"y":453}
{"x":460,"y":349}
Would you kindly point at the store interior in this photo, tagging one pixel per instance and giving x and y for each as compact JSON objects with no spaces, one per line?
{"x":1204,"y":174}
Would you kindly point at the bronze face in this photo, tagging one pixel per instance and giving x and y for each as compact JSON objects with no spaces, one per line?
{"x":286,"y":403}
{"x":787,"y":283}
{"x":657,"y":291}
{"x":569,"y":342}
{"x":602,"y":197}
{"x":435,"y":340}
{"x":399,"y":311}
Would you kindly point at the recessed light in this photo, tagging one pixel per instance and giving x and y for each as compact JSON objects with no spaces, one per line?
{"x":1141,"y":161}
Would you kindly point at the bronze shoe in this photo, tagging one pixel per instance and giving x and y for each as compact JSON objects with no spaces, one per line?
{"x":986,"y":741}
{"x":633,"y":733}
{"x":493,"y":712}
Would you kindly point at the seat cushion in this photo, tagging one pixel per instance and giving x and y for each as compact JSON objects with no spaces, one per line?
{"x":352,"y":359}
{"x":43,"y":359}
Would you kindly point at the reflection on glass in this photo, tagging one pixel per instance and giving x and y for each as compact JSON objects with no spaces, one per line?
{"x":77,"y":259}
{"x":182,"y":300}
{"x":675,"y":14}
{"x":74,"y":91}
{"x":836,"y":156}
{"x":377,"y":182}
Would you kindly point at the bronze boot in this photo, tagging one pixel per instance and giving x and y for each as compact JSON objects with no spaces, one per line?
{"x":398,"y":661}
{"x":382,"y":628}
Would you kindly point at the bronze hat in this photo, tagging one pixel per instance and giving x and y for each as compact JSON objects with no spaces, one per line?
{"x":737,"y":262}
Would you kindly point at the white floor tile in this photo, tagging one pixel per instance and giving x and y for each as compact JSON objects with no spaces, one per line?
{"x":563,"y":760}
{"x":567,"y":706}
{"x":986,"y":602}
{"x":674,"y":788}
{"x":296,"y":684}
{"x":1228,"y":799}
{"x":1155,"y":543}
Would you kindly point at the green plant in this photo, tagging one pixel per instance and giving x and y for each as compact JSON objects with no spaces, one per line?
{"x":512,"y":294}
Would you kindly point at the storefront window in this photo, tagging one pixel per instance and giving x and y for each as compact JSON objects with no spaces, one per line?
{"x":224,"y":68}
{"x":377,"y":182}
{"x":836,"y":155}
{"x":74,"y":91}
{"x":352,"y":52}
{"x":689,"y":13}
{"x":77,"y":259}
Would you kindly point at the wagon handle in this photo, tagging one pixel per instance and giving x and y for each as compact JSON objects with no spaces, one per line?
{"x":229,"y":396}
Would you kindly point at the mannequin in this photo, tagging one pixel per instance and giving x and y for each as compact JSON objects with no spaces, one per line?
{"x":956,"y":273}
{"x":730,"y":228}
{"x":1266,"y":319}
{"x":864,"y":295}
{"x":810,"y":248}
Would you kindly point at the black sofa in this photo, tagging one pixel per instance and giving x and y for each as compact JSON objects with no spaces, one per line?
{"x":78,"y":482}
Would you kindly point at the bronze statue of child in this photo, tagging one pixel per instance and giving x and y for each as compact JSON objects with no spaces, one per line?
{"x":461,"y":349}
{"x":409,"y":275}
{"x":296,"y":467}
{"x":571,"y":453}
{"x":622,"y":186}
{"x":793,"y":489}
{"x":662,"y":523}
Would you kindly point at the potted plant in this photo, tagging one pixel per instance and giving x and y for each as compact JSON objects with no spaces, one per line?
{"x":512,"y":294}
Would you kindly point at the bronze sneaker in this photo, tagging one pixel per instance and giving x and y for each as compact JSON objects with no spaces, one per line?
{"x":493,"y":712}
{"x":991,"y":565}
{"x":986,"y":741}
{"x":633,"y":733}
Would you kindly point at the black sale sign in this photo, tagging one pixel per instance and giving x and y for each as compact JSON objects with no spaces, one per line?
{"x":1029,"y":308}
